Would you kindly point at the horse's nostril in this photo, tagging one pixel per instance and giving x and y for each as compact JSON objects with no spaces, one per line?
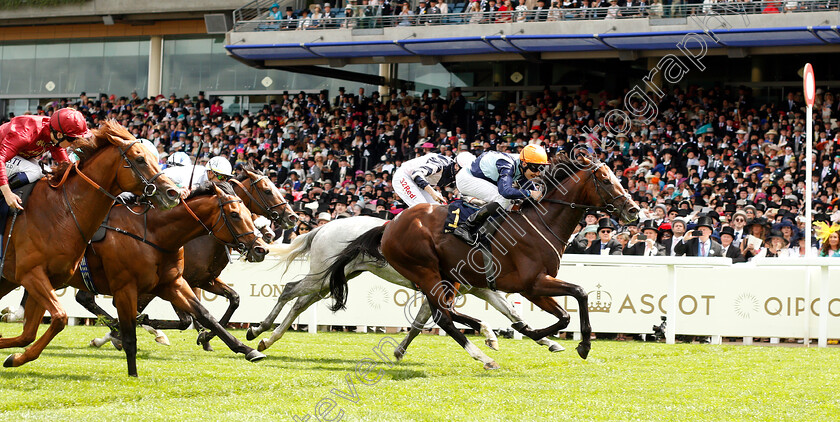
{"x":172,"y":193}
{"x":259,"y":250}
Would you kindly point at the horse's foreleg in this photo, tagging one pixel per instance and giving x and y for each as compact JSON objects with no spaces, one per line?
{"x":126,"y":302}
{"x":182,"y":297}
{"x":498,"y":302}
{"x":41,"y":292}
{"x":218,"y":287}
{"x":308,"y":285}
{"x":547,"y":286}
{"x":33,"y":315}
{"x":301,"y":304}
{"x":417,"y":325}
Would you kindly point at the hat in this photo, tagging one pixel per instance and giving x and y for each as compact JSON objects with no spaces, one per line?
{"x":706,"y":221}
{"x":605,"y":223}
{"x":324,"y":216}
{"x":728,"y":231}
{"x":589,"y":229}
{"x":649,"y":225}
{"x":427,"y":145}
{"x":761,"y":221}
{"x":775,"y":233}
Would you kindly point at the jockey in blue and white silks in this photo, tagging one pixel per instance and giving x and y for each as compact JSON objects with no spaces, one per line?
{"x":414,"y":181}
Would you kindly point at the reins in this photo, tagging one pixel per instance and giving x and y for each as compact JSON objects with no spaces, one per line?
{"x":261,"y":202}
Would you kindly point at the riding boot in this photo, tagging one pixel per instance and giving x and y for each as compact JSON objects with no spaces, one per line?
{"x":468,"y":230}
{"x":18,"y":180}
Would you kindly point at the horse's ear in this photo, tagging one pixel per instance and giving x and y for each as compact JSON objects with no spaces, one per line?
{"x":219,"y":191}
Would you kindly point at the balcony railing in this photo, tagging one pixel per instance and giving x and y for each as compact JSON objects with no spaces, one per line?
{"x":256,"y":18}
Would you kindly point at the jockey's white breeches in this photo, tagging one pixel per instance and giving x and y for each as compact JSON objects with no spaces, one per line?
{"x":408,"y":191}
{"x":470,"y":185}
{"x":28,"y":166}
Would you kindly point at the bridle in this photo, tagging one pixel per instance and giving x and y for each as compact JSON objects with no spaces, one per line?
{"x":268,"y":210}
{"x":149,"y":189}
{"x":610,"y":206}
{"x":223,"y":217}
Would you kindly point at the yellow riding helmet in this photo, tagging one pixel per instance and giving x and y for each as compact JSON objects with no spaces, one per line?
{"x":534,"y":154}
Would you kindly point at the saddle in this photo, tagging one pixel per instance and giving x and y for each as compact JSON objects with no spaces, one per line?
{"x":459,"y":211}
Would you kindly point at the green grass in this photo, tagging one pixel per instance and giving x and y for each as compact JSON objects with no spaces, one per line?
{"x":437,"y":381}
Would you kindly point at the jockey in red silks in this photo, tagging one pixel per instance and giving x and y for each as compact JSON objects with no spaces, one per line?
{"x":25,"y":138}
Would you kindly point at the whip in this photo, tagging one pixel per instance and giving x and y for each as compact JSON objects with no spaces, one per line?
{"x":198,"y":151}
{"x":9,"y":238}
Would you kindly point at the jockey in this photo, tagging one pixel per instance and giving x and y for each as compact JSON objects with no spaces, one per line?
{"x":180,"y":170}
{"x":414,"y":180}
{"x":25,"y":138}
{"x":493,"y":177}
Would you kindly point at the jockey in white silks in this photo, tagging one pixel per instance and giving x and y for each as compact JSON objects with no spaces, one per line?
{"x":414,"y":181}
{"x":498,"y":179}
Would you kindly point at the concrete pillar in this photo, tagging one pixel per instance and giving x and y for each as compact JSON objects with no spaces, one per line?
{"x":757,"y":65}
{"x":385,"y":72}
{"x":155,"y":65}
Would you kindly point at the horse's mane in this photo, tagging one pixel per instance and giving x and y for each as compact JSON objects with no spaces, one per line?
{"x":85,"y":148}
{"x":209,"y":189}
{"x":562,"y":167}
{"x":244,"y":176}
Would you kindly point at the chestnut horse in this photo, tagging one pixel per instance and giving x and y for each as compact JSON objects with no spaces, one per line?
{"x":144,"y":257}
{"x":527,"y":249}
{"x":50,"y":235}
{"x":205,"y":258}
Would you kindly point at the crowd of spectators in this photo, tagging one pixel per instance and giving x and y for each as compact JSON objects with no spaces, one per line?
{"x":379,"y":13}
{"x":713,"y":160}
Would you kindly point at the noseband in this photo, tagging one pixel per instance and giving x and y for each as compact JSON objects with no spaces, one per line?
{"x":268,"y":210}
{"x":149,"y":188}
{"x":236,"y":244}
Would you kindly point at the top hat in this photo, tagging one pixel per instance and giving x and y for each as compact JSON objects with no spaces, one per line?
{"x":605,"y":223}
{"x":706,"y":221}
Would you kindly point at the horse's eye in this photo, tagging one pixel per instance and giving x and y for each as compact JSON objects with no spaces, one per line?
{"x":268,"y":191}
{"x":235,"y":215}
{"x":140,"y":160}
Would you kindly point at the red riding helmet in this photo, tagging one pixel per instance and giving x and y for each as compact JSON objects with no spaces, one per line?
{"x":69,"y":122}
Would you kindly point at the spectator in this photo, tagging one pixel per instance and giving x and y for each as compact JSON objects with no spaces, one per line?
{"x":644,"y":243}
{"x":521,"y":12}
{"x":829,"y":237}
{"x":328,"y":17}
{"x":605,"y":244}
{"x":274,"y":12}
{"x":584,"y":240}
{"x":694,"y":244}
{"x":613,"y":11}
{"x":730,"y":250}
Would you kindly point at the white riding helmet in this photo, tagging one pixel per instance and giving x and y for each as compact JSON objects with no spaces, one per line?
{"x":220,"y":165}
{"x":179,"y":158}
{"x":151,"y":147}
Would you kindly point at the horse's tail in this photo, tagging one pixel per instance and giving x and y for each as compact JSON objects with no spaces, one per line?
{"x":299,"y":247}
{"x":366,"y":244}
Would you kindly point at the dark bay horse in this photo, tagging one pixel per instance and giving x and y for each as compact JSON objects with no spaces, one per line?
{"x":127,"y":267}
{"x":205,"y":258}
{"x":63,"y":212}
{"x":527,"y":248}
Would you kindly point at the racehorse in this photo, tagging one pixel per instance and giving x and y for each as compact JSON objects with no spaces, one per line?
{"x":322,"y":245}
{"x":205,"y":258}
{"x":64,"y":210}
{"x":524,"y":256}
{"x":127,"y":265}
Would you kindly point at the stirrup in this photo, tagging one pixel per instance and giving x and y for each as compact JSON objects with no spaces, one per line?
{"x":465,"y":235}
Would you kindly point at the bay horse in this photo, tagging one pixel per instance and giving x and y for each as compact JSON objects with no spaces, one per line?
{"x":527,"y":248}
{"x":128,"y":266}
{"x":322,"y":245}
{"x":63,"y":212}
{"x":204,"y":260}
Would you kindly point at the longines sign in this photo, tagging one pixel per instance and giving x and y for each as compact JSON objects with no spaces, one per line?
{"x":734,"y":301}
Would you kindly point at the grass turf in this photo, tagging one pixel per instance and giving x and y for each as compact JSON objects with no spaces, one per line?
{"x":436,"y":381}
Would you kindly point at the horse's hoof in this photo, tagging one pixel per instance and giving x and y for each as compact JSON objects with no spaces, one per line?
{"x":583,"y":350}
{"x":493,"y":344}
{"x":254,"y":356}
{"x":399,"y":356}
{"x":261,"y":347}
{"x":250,"y":334}
{"x":207,"y":347}
{"x":94,"y":343}
{"x":556,"y":348}
{"x":162,"y":339}
{"x":10,"y":361}
{"x":117,"y":344}
{"x":491,"y":365}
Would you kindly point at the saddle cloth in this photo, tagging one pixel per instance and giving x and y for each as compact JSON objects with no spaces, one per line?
{"x":457,"y":213}
{"x":23,"y":192}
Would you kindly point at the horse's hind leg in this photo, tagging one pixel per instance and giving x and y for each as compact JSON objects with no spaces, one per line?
{"x":33,"y":315}
{"x":503,"y":306}
{"x":218,"y":287}
{"x":301,"y":304}
{"x":41,"y":291}
{"x":126,"y":302}
{"x":182,"y":297}
{"x":540,"y":293}
{"x":308,"y":285}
